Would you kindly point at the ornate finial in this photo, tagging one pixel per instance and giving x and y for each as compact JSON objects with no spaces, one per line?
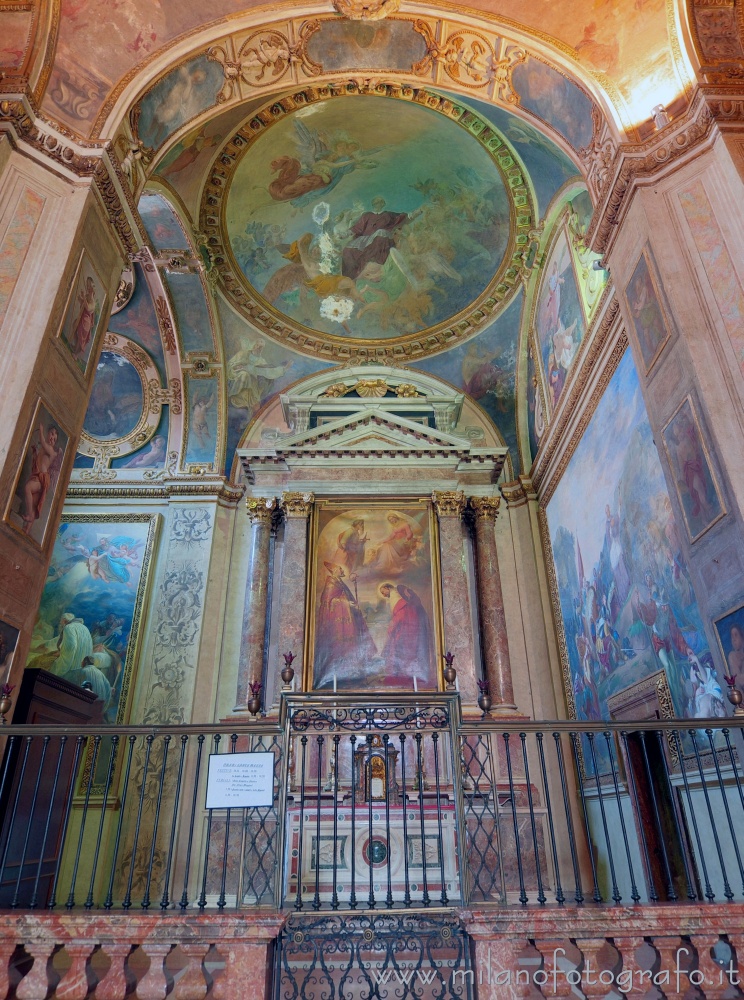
{"x":297,"y":504}
{"x":449,"y":504}
{"x":450,"y":674}
{"x":367,"y":10}
{"x":5,"y":701}
{"x":734,"y":694}
{"x":288,"y":673}
{"x":485,"y":508}
{"x":484,"y":699}
{"x":260,"y":508}
{"x":254,"y":702}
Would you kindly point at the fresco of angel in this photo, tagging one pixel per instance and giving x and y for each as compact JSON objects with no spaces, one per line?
{"x":324,"y":158}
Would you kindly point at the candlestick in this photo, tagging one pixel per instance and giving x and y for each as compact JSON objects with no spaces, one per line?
{"x":415,"y":684}
{"x":334,"y":684}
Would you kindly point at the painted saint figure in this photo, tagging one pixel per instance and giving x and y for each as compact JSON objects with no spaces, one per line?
{"x":86,"y":320}
{"x":46,"y":463}
{"x":350,"y":552}
{"x":343,"y":644}
{"x":408,"y":648}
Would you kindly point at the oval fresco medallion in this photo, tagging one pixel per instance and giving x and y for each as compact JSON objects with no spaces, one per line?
{"x":369,"y":219}
{"x":116,"y":400}
{"x":125,"y":402}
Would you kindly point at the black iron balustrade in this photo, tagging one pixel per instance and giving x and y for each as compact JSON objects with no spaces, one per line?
{"x":603,"y":813}
{"x":398,"y":804}
{"x":116,"y":819}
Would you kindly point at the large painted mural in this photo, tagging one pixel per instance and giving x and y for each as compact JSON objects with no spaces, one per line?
{"x":367,"y":218}
{"x":87,"y":627}
{"x":624,"y":588}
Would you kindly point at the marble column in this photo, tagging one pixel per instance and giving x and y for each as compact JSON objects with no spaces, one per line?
{"x":494,"y":642}
{"x":458,"y":618}
{"x":291,"y":637}
{"x":253,"y":632}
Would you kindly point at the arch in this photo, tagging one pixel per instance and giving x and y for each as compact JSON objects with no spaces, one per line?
{"x":510,"y":33}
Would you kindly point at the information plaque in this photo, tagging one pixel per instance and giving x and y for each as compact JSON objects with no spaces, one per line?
{"x":240,"y":780}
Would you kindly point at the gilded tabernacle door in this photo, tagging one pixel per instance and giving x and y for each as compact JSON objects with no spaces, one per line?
{"x":374,"y":598}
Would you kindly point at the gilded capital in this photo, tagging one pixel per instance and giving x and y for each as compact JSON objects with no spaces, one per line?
{"x":297,"y":504}
{"x":449,"y":504}
{"x":485,"y":508}
{"x":514,"y":494}
{"x":260,"y":509}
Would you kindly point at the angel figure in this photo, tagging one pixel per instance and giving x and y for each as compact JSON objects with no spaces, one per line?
{"x":46,"y":462}
{"x":323,"y":160}
{"x":480,"y":374}
{"x":199,"y":425}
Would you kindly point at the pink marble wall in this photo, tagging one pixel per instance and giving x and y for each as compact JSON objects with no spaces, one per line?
{"x":16,"y":243}
{"x":717,"y":261}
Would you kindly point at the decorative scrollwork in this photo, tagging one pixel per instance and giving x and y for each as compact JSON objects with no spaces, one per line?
{"x":370,"y":717}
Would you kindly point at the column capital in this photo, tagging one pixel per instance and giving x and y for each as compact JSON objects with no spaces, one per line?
{"x":449,"y":503}
{"x":514,"y":493}
{"x":260,"y":509}
{"x":297,"y":504}
{"x":485,"y":508}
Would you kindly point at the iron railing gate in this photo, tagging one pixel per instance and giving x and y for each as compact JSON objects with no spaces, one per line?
{"x":373,"y":807}
{"x":373,"y":956}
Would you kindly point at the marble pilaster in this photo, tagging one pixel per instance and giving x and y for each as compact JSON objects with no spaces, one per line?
{"x":494,"y":640}
{"x":296,"y":508}
{"x":458,"y":618}
{"x":253,"y":632}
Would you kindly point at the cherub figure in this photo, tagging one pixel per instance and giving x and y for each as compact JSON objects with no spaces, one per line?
{"x":199,"y":425}
{"x":46,"y":463}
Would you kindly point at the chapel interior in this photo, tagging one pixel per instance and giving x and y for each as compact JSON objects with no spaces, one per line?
{"x":371,"y":539}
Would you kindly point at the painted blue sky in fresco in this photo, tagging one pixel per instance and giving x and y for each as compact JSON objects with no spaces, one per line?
{"x":546,"y":164}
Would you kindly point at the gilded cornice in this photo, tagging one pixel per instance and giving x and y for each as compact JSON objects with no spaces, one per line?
{"x":297,"y":504}
{"x":225,"y":493}
{"x":615,"y":170}
{"x":514,"y":494}
{"x":450,"y":503}
{"x":485,"y":508}
{"x":80,"y":159}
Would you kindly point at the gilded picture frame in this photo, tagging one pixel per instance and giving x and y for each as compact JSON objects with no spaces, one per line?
{"x":373,"y":603}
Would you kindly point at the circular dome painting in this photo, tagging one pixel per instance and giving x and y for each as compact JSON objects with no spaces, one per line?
{"x":368,"y":218}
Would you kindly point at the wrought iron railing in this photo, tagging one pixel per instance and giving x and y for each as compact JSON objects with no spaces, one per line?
{"x":397,"y":804}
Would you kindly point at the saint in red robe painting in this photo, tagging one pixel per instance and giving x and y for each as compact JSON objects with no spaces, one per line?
{"x":343,"y":645}
{"x":408,"y":649}
{"x":86,"y":319}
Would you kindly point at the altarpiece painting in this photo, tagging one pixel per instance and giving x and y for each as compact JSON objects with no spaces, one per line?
{"x":375,"y":598}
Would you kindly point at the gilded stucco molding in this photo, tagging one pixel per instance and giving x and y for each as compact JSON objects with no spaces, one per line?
{"x":449,"y":503}
{"x":614,"y":176}
{"x":514,"y":494}
{"x":297,"y":504}
{"x":568,"y":406}
{"x":485,"y":508}
{"x":226,"y":494}
{"x":260,"y":510}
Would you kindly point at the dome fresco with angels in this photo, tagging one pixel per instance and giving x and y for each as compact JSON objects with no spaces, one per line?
{"x":368,"y":218}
